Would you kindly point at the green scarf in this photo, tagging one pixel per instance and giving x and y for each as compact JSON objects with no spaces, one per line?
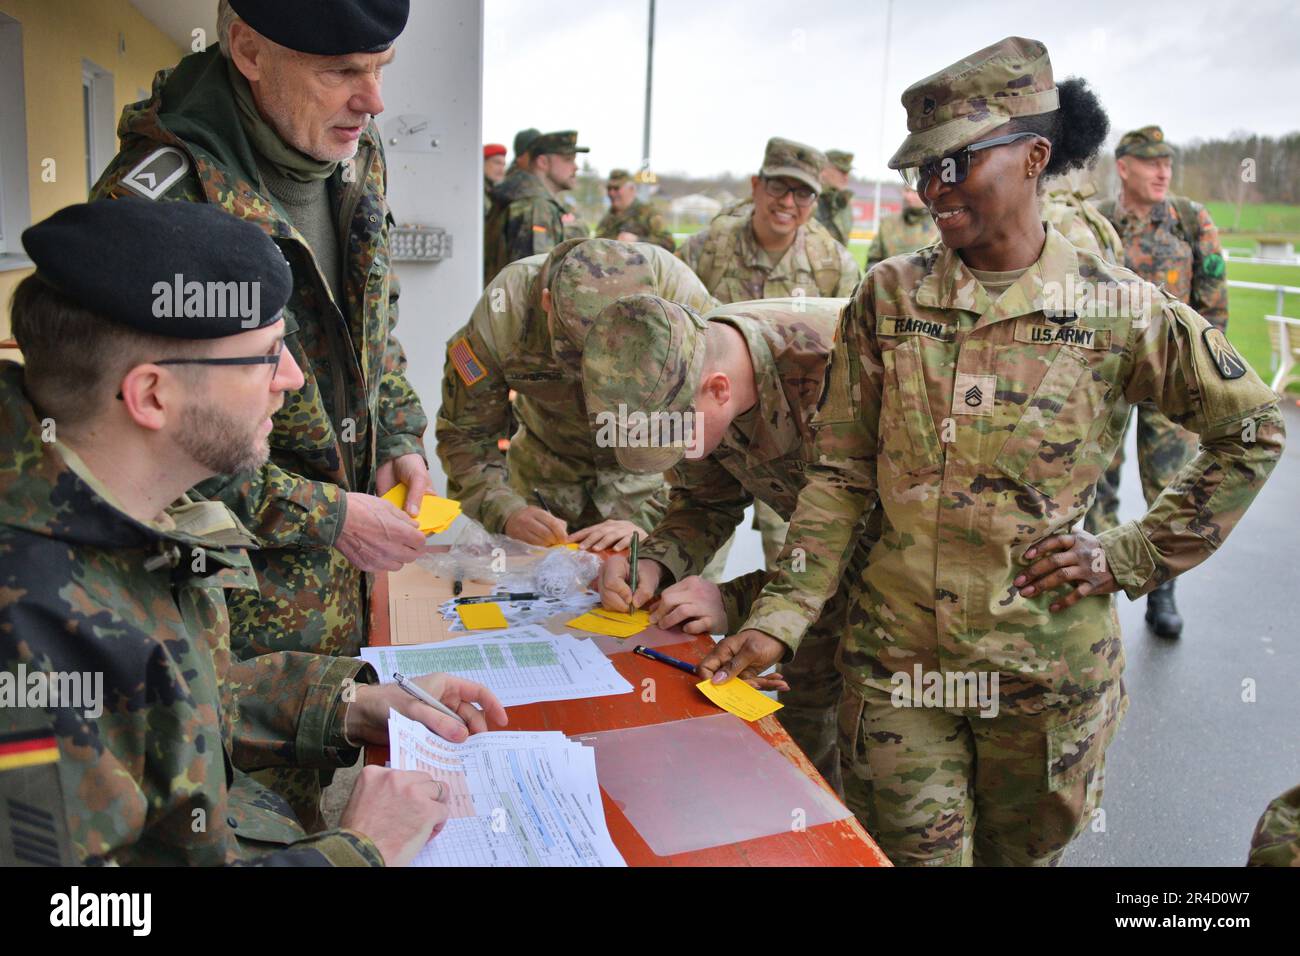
{"x":289,"y":162}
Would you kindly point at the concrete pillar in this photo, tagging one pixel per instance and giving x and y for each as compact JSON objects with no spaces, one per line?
{"x":437,"y":79}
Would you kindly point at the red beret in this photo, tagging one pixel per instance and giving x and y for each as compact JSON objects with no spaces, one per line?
{"x":493,"y":149}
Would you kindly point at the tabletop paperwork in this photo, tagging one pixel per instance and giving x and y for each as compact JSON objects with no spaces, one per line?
{"x":517,"y":798}
{"x":521,"y":665}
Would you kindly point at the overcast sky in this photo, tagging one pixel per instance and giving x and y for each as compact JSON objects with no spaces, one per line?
{"x":730,"y":73}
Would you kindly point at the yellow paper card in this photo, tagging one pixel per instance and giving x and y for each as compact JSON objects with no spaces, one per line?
{"x":737,"y":697}
{"x":595,"y":624}
{"x":436,"y":514}
{"x":481,"y":617}
{"x":640,"y":618}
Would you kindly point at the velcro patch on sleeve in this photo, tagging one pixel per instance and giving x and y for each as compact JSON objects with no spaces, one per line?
{"x":156,"y":173}
{"x":468,"y":367}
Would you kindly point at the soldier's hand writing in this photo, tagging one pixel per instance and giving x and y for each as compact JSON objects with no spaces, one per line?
{"x":745,"y":655}
{"x":611,"y":535}
{"x":1074,"y":560}
{"x":693,"y":603}
{"x":536,"y":526}
{"x":377,"y":536}
{"x":615,"y":590}
{"x":367,"y":716}
{"x":409,"y":470}
{"x":399,"y":810}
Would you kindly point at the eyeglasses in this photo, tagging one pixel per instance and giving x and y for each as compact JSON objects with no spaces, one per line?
{"x":271,"y":359}
{"x":954,"y":167}
{"x":803,"y":196}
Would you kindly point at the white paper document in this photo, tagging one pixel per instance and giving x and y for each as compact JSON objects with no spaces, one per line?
{"x":533,"y":611}
{"x":521,"y":665}
{"x":517,"y":798}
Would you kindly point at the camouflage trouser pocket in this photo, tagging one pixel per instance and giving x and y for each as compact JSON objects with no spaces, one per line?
{"x":1077,"y":744}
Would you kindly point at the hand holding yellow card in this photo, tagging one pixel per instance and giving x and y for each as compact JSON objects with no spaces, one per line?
{"x":737,"y":697}
{"x":436,"y":514}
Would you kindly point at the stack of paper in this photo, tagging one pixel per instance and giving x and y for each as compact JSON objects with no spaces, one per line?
{"x":516,"y":798}
{"x":521,"y":665}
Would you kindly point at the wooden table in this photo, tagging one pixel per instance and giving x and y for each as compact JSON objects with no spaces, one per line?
{"x":843,"y":843}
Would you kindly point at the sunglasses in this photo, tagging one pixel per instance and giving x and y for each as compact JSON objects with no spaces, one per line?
{"x":272,"y":358}
{"x":803,"y":196}
{"x":954,"y":167}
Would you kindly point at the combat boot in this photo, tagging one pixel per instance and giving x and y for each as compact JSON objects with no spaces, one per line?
{"x":1162,"y":613}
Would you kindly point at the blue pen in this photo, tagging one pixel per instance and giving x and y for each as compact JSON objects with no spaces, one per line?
{"x":663,"y":658}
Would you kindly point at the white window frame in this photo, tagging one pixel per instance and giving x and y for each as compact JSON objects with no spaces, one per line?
{"x":100,"y":123}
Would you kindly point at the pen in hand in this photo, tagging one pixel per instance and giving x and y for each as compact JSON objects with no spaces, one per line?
{"x":420,"y":694}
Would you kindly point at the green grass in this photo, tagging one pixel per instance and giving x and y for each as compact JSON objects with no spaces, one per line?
{"x":1269,"y":219}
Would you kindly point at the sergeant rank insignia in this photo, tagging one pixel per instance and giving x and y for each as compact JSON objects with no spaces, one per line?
{"x":1226,"y":359}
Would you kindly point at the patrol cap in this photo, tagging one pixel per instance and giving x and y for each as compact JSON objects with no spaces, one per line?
{"x":584,"y":276}
{"x":326,"y":27}
{"x":524,"y":139}
{"x":619,"y":177}
{"x":564,"y":142}
{"x":840,"y":160}
{"x":178,"y":269}
{"x":493,"y":149}
{"x":962,"y":102}
{"x":785,"y":157}
{"x":644,"y":354}
{"x":1145,"y":143}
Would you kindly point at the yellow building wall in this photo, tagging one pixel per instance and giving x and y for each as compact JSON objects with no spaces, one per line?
{"x":57,"y":36}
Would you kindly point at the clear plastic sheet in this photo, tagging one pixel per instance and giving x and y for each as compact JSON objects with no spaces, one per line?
{"x":506,"y":563}
{"x":707,"y":781}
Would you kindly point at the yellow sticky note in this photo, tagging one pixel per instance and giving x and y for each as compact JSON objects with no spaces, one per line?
{"x":436,"y":514}
{"x":737,"y":697}
{"x":481,"y":617}
{"x":595,"y":624}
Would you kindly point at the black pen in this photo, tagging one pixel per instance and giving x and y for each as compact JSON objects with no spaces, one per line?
{"x":542,"y":501}
{"x":636,"y":538}
{"x":663,"y":658}
{"x":488,"y":598}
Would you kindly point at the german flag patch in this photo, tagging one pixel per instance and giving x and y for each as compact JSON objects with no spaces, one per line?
{"x":468,"y":367}
{"x":539,"y":229}
{"x":28,"y":748}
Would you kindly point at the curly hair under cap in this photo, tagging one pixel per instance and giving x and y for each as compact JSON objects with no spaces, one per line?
{"x":1076,"y":129}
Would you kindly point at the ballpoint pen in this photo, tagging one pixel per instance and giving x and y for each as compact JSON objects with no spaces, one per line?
{"x":420,"y":694}
{"x":663,"y":658}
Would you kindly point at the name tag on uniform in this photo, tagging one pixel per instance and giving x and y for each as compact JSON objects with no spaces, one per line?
{"x":911,"y":325}
{"x":1046,"y":333}
{"x":973,"y":394}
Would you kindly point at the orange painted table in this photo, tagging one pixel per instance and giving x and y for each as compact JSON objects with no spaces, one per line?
{"x":842,"y":843}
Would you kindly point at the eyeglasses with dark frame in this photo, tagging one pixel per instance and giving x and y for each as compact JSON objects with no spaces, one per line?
{"x":803,"y":196}
{"x":918,"y":177}
{"x":271,"y":359}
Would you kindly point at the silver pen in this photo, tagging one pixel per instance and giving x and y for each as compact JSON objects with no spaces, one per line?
{"x":420,"y":694}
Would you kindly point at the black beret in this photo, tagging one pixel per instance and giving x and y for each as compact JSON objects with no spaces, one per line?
{"x":326,"y":27}
{"x":180,"y":269}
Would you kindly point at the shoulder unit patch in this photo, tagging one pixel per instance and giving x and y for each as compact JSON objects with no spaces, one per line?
{"x":1226,"y":359}
{"x":468,"y":367}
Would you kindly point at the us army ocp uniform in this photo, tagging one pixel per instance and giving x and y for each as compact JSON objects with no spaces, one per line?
{"x":507,"y":344}
{"x":1177,"y":248}
{"x":979,"y":427}
{"x":762,"y":458}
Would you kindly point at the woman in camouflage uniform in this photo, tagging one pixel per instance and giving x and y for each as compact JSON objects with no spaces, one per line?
{"x":977,"y":391}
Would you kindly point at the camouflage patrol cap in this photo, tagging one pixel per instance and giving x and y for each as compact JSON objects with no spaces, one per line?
{"x":564,"y":142}
{"x":840,"y":160}
{"x":962,"y":102}
{"x":1145,"y":143}
{"x":785,"y":157}
{"x":524,"y":140}
{"x":644,"y":357}
{"x":584,"y":276}
{"x":619,"y":177}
